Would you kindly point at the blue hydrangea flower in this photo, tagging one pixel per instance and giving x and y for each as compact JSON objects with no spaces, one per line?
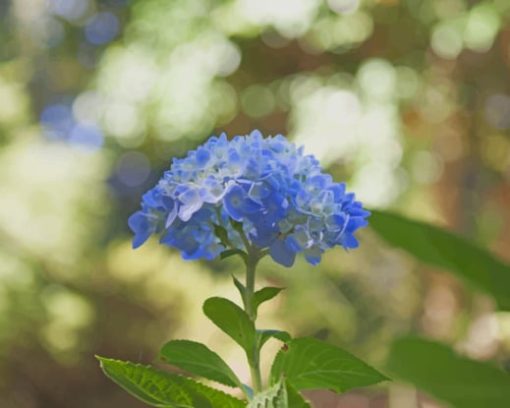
{"x":281,"y":197}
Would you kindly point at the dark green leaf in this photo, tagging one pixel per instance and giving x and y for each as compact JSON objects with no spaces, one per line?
{"x":259,"y":296}
{"x":443,"y":249}
{"x":222,"y":234}
{"x":199,"y":360}
{"x":266,"y":334}
{"x":438,"y":370}
{"x":231,"y":252}
{"x":240,"y":287}
{"x":233,"y":321}
{"x":309,"y":363}
{"x":237,"y":225}
{"x":295,"y":399}
{"x":264,"y":294}
{"x":164,"y":390}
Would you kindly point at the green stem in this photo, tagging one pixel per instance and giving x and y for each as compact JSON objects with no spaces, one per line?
{"x":254,"y":361}
{"x":250,"y":287}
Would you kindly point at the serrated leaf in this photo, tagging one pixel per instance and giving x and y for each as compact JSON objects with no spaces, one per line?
{"x":198,"y":359}
{"x":441,"y":248}
{"x":309,"y":363}
{"x":265,"y":334}
{"x":280,"y":395}
{"x":438,"y":370}
{"x":233,"y":321}
{"x":265,"y":294}
{"x":165,"y":390}
{"x":274,"y":397}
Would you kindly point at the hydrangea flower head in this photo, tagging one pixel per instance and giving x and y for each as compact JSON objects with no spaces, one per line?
{"x":262,"y":192}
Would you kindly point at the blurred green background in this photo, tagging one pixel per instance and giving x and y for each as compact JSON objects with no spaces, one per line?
{"x":406,"y":100}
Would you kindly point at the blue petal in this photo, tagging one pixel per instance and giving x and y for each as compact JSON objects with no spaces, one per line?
{"x":203,"y":157}
{"x":256,"y":135}
{"x":348,"y":241}
{"x":299,"y":240}
{"x":338,"y":190}
{"x":191,"y":203}
{"x":182,"y":240}
{"x":212,"y":191}
{"x":258,"y":192}
{"x":141,"y":227}
{"x":354,"y":223}
{"x":282,"y":254}
{"x":265,"y":233}
{"x":172,"y":215}
{"x":238,"y":205}
{"x":234,"y":157}
{"x":313,"y":255}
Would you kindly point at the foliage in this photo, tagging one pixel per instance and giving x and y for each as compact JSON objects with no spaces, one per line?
{"x":441,"y":248}
{"x":308,"y":363}
{"x":303,"y":364}
{"x":197,"y":358}
{"x":440,"y":371}
{"x":432,"y":366}
{"x":164,"y":390}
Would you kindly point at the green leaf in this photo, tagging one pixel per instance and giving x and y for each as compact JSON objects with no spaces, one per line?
{"x":265,"y":334}
{"x":231,"y":252}
{"x":280,"y":395}
{"x":233,"y":321}
{"x":237,"y":225}
{"x":438,"y":370}
{"x":259,"y":296}
{"x":295,"y":399}
{"x":240,"y":287}
{"x":199,"y":360}
{"x":264,"y":294}
{"x":165,"y":390}
{"x":222,"y":234}
{"x":440,"y":248}
{"x":309,"y":363}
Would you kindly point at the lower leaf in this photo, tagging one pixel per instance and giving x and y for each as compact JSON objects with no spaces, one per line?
{"x":440,"y":371}
{"x":196,"y":358}
{"x":165,"y":390}
{"x":295,"y":398}
{"x":308,"y":363}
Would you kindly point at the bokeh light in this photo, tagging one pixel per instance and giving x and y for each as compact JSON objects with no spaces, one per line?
{"x":71,"y":10}
{"x":102,"y":28}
